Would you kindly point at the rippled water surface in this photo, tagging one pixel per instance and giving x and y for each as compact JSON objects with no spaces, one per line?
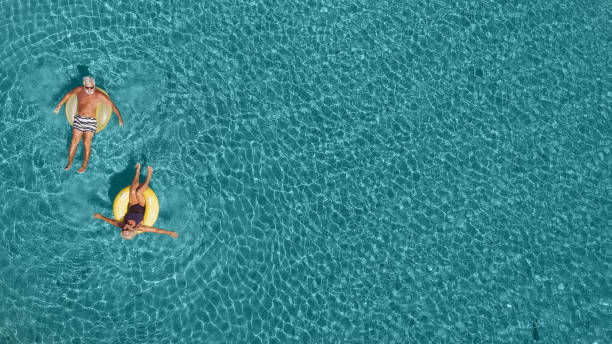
{"x":339,"y":172}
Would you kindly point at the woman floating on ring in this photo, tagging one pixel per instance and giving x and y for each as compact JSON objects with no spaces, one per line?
{"x":131,"y":224}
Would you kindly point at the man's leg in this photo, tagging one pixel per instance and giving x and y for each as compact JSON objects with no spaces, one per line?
{"x":87,"y":137}
{"x":143,"y":187}
{"x":134,"y":186}
{"x":76,"y":138}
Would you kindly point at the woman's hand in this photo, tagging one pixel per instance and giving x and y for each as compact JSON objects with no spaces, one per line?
{"x":97,"y":216}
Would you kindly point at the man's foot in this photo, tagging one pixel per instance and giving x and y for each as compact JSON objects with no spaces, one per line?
{"x":138,"y":166}
{"x":82,"y":169}
{"x":150,"y":169}
{"x":68,"y":166}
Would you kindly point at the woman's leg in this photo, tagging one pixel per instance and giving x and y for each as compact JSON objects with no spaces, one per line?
{"x":134,"y":187}
{"x":143,"y":187}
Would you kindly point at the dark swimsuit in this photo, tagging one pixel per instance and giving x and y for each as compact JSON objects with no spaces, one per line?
{"x":136,"y":213}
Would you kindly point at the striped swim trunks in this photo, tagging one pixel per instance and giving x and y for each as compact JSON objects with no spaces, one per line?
{"x":84,"y":124}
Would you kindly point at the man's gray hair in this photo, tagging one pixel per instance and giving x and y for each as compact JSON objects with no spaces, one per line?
{"x":88,"y":79}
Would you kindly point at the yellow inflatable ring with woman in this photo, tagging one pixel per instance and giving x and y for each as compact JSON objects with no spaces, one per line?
{"x":120,"y":206}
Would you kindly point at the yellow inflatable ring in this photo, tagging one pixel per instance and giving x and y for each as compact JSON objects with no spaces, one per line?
{"x":120,"y":206}
{"x":103,"y":111}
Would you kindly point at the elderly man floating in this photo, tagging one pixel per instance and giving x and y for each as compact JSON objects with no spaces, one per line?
{"x":84,"y":124}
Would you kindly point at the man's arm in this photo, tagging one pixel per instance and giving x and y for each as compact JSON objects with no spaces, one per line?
{"x":106,"y":219}
{"x":65,"y":99}
{"x":112,"y":105}
{"x":157,"y":230}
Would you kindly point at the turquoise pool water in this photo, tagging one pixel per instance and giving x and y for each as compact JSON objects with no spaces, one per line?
{"x":339,"y":172}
